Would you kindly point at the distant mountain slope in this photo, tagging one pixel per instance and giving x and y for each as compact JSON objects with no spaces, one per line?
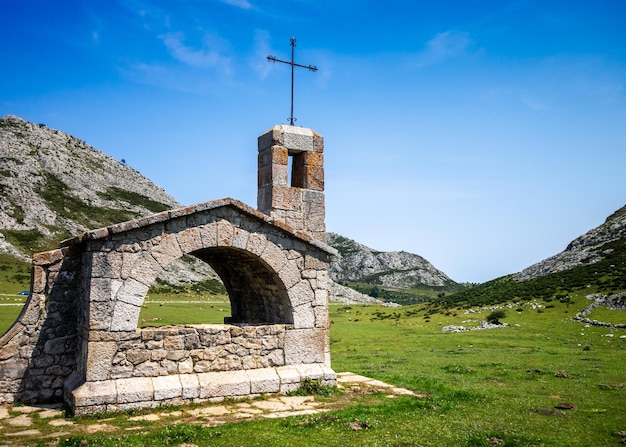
{"x":595,"y":261}
{"x":54,"y":185}
{"x":589,"y":248}
{"x":359,"y":263}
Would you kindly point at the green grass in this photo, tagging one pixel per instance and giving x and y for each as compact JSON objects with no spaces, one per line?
{"x":608,"y":315}
{"x":486,"y":387}
{"x":122,"y":195}
{"x":14,"y":275}
{"x":185,"y":308}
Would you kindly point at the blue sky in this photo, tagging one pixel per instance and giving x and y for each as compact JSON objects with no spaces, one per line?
{"x":482,"y":135}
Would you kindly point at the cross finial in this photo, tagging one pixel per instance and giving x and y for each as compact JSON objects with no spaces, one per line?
{"x":293,"y":65}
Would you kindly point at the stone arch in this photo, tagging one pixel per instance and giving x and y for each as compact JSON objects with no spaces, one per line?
{"x":256,"y":293}
{"x":263,"y":285}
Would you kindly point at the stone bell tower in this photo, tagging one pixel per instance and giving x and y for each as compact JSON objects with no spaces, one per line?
{"x":291,"y":178}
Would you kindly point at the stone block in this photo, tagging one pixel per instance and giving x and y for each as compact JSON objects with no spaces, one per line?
{"x":290,"y":274}
{"x":313,"y":159}
{"x":224,"y":384}
{"x":318,"y":142}
{"x":190,"y":240}
{"x":125,"y":317}
{"x":314,"y":219}
{"x":136,"y":389}
{"x":91,"y":394}
{"x":301,"y":293}
{"x":314,"y":262}
{"x":132,"y":292}
{"x":256,"y":243}
{"x":275,"y":257}
{"x":208,"y":233}
{"x":173,"y":342}
{"x":321,"y":295}
{"x":186,"y":366}
{"x":303,"y":317}
{"x":106,"y":264}
{"x":304,"y":346}
{"x":321,"y":317}
{"x":39,"y":279}
{"x":240,"y":238}
{"x":167,"y":251}
{"x":167,"y":387}
{"x":264,"y":199}
{"x":289,"y":378}
{"x":104,"y":289}
{"x":264,"y":381}
{"x":14,"y":369}
{"x":297,"y":139}
{"x":313,"y":178}
{"x":99,"y":360}
{"x":313,"y":371}
{"x":190,"y":385}
{"x":225,"y":233}
{"x":147,"y":369}
{"x":286,"y":198}
{"x":47,"y":257}
{"x":10,"y":350}
{"x":136,"y":356}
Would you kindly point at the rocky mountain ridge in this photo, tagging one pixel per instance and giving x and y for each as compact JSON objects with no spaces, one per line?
{"x":359,"y":263}
{"x":56,"y":185}
{"x":586,"y":249}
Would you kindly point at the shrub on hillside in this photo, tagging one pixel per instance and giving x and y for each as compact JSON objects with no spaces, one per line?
{"x":495,"y":316}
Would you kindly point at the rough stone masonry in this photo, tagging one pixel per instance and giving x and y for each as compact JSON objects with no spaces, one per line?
{"x":78,"y":340}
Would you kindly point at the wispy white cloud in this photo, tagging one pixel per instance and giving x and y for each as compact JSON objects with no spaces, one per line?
{"x":243,"y":4}
{"x":152,"y":17}
{"x":444,"y":46}
{"x":208,"y":56}
{"x":177,"y":79}
{"x":262,"y":49}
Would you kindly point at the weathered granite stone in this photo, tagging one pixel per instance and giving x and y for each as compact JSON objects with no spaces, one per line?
{"x":138,"y":389}
{"x":99,"y":360}
{"x":167,"y":387}
{"x":303,"y":346}
{"x":264,"y":381}
{"x":224,"y":384}
{"x":190,"y":385}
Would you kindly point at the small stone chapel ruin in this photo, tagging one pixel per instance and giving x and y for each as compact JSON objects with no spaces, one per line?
{"x":77,"y":338}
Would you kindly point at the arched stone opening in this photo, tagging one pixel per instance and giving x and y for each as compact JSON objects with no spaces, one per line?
{"x":257,"y":295}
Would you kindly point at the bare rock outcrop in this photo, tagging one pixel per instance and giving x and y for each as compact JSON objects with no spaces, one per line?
{"x":57,"y":185}
{"x":586,"y":249}
{"x":399,"y":269}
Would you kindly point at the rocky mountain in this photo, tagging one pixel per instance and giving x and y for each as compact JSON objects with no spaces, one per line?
{"x":54,"y":185}
{"x":590,"y":248}
{"x":359,"y":263}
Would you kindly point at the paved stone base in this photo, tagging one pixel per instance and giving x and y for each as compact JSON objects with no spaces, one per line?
{"x":150,"y":392}
{"x":24,"y":425}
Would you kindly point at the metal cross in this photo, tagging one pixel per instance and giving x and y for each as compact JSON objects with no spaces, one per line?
{"x":293,"y":65}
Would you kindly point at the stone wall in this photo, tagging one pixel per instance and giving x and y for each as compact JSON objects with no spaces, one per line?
{"x":39,"y":351}
{"x":195,"y":349}
{"x":613,"y":302}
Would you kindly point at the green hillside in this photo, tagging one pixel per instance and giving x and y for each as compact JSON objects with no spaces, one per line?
{"x":606,"y":276}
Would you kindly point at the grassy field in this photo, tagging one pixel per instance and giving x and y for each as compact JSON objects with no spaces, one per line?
{"x":544,"y":380}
